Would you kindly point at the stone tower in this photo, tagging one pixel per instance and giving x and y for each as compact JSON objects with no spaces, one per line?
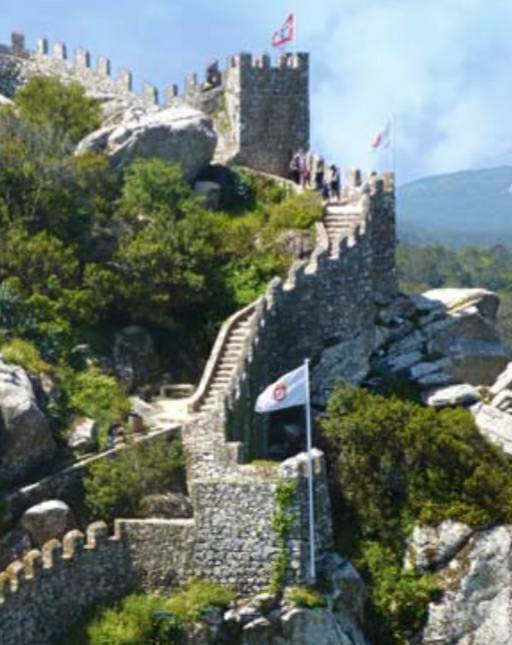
{"x":261,"y":111}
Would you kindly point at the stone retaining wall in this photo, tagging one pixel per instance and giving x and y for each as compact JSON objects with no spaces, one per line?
{"x":231,"y":539}
{"x":67,"y":484}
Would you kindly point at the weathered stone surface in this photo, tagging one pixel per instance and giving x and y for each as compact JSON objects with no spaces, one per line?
{"x":50,"y":519}
{"x":402,"y":307}
{"x":475,"y":608}
{"x":177,"y":135}
{"x":84,"y":434}
{"x":421,"y":370}
{"x":437,"y":379}
{"x":503,"y":381}
{"x":397,"y":363}
{"x":478,"y":362}
{"x":432,"y":546}
{"x":166,"y":505}
{"x":298,"y":243}
{"x":494,"y":424}
{"x":135,"y":358}
{"x":347,"y":360}
{"x":453,"y":300}
{"x":13,"y":546}
{"x":449,"y":396}
{"x":25,"y":435}
{"x":503,"y":401}
{"x":413,"y":342}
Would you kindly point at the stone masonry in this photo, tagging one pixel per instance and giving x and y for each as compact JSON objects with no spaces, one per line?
{"x":231,"y":537}
{"x":263,"y":114}
{"x":260,"y":111}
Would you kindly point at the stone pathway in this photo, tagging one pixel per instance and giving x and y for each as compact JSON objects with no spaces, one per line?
{"x":341,"y":221}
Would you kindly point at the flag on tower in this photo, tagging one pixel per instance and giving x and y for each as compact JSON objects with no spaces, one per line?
{"x":382,"y":139}
{"x":287,"y":391}
{"x":286,"y":34}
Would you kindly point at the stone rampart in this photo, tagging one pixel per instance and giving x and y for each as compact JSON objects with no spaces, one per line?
{"x":231,"y":539}
{"x":325,"y":300}
{"x":261,"y":111}
{"x":67,"y":484}
{"x":55,"y":61}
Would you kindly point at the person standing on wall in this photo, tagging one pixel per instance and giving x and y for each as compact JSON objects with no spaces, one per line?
{"x":334,"y":182}
{"x":319,"y":173}
{"x":295,"y":165}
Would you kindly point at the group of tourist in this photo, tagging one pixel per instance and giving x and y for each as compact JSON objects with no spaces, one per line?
{"x":309,"y":171}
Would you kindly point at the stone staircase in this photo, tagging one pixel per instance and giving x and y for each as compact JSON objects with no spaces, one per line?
{"x":226,"y":363}
{"x":341,"y":221}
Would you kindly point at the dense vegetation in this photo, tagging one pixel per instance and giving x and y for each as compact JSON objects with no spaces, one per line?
{"x":116,"y":487}
{"x":393,"y":464}
{"x":432,"y":267}
{"x":150,"y":620}
{"x":85,"y":252}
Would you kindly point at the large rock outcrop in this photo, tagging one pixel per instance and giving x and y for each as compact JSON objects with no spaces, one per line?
{"x":25,"y":435}
{"x":135,"y":358}
{"x":178,"y":135}
{"x":474,"y":608}
{"x":442,"y":337}
{"x":50,"y":519}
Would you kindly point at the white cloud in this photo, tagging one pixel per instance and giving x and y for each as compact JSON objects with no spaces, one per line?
{"x":442,"y":68}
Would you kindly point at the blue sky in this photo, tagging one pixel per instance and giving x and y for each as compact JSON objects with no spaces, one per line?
{"x":442,"y":68}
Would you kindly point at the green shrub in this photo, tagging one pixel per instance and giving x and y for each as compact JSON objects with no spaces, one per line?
{"x":395,"y":464}
{"x":196,"y":597}
{"x":115,"y":487}
{"x":98,"y":396}
{"x":136,"y":620}
{"x":296,"y":211}
{"x":153,"y":186}
{"x":45,"y":100}
{"x":399,"y":598}
{"x":149,"y":620}
{"x":25,"y":354}
{"x":306,"y":597}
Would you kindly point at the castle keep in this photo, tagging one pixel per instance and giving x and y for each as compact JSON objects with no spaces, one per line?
{"x":260,"y":110}
{"x":261,"y":113}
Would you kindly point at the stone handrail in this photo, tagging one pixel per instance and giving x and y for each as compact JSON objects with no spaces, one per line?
{"x":217,"y":353}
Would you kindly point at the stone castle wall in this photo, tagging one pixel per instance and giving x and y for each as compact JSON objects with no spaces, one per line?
{"x":260,"y":112}
{"x":327,"y":300}
{"x":231,"y":539}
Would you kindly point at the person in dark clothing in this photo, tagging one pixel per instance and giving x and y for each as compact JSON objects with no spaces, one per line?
{"x":319,"y":173}
{"x":334,"y":183}
{"x":295,"y":168}
{"x":213,"y":76}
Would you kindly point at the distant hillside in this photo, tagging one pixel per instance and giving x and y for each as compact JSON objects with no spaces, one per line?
{"x":469,"y":207}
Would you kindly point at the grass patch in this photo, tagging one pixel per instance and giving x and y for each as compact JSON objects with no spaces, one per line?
{"x":306,"y":597}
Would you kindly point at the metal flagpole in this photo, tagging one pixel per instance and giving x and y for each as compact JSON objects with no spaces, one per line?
{"x":310,"y":478}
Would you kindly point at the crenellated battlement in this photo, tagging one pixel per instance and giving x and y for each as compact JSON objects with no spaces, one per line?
{"x":53,"y":59}
{"x":260,"y":106}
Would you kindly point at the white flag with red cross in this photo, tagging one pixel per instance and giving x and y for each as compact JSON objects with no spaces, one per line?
{"x":286,"y":392}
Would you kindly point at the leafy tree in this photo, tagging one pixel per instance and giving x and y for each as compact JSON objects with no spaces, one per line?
{"x":39,"y":261}
{"x":395,"y":464}
{"x":116,"y":487}
{"x":153,"y":187}
{"x":46,"y":101}
{"x":98,"y":396}
{"x":43,"y":186}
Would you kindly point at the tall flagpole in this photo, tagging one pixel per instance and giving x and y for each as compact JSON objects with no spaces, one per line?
{"x":309,"y":441}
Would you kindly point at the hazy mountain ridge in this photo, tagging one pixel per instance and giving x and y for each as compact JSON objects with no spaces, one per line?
{"x":468,"y":207}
